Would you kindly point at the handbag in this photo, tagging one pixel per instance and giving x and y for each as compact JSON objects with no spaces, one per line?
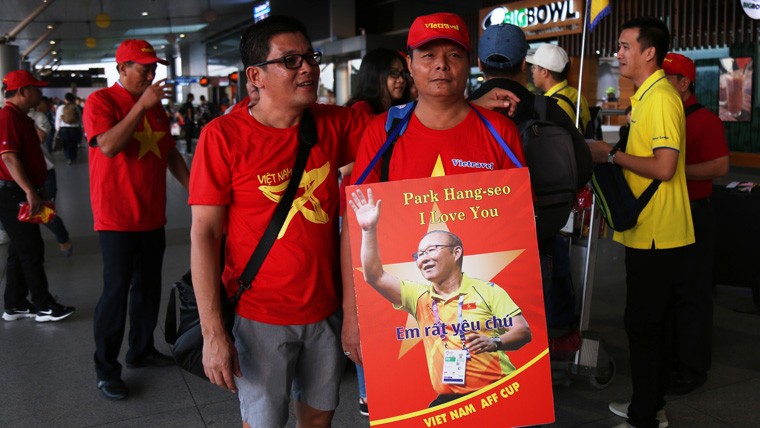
{"x":187,"y":339}
{"x":619,"y":207}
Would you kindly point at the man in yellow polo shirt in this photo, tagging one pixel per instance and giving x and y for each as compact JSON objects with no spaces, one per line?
{"x":549,"y":68}
{"x":659,"y":251}
{"x":468,"y":323}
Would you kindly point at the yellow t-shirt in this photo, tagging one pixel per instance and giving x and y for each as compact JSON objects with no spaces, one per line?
{"x":658,"y":121}
{"x":565,"y":89}
{"x":485,"y":307}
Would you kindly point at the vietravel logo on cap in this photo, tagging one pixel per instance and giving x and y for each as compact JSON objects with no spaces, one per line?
{"x":437,"y":26}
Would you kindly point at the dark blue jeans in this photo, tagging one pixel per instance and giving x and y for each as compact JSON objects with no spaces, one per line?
{"x":25,"y":271}
{"x":56,"y":226}
{"x":132,"y":264}
{"x":71,"y":136}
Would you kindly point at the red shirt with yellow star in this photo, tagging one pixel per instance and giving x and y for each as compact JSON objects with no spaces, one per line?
{"x":423,"y":152}
{"x":127,"y":191}
{"x":246,"y":166}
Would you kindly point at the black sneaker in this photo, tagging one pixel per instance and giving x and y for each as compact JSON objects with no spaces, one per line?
{"x":363,"y":408}
{"x":54,"y":312}
{"x":17,"y":314}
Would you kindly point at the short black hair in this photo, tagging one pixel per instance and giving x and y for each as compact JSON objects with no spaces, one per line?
{"x":254,"y":44}
{"x":507,"y":73}
{"x":652,"y":33}
{"x":70,"y":97}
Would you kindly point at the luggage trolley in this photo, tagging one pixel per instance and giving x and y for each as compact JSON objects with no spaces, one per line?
{"x":582,"y":353}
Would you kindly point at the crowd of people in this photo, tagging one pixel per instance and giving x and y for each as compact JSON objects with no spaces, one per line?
{"x":297,"y":324}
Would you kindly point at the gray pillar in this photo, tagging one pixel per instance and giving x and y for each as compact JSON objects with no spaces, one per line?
{"x":9,"y":59}
{"x":342,"y":82}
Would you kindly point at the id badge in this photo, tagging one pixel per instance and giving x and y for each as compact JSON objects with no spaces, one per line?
{"x":454,"y":366}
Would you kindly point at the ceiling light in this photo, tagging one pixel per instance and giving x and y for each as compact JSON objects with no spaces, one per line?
{"x":182,"y":36}
{"x":144,"y":14}
{"x":52,"y":42}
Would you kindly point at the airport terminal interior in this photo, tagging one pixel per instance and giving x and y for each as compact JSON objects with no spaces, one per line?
{"x":48,"y":379}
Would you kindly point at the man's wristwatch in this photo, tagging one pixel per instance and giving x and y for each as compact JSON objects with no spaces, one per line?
{"x":611,"y":155}
{"x":496,"y":341}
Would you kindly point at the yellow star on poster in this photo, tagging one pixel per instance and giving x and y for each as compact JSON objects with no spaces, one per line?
{"x":148,"y":139}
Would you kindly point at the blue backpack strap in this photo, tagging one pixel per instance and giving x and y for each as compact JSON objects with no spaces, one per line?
{"x":395,"y":125}
{"x":498,"y":138}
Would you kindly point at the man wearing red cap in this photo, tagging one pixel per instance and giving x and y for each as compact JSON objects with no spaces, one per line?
{"x":443,"y":129}
{"x":130,"y":150}
{"x":22,"y":179}
{"x":706,"y":159}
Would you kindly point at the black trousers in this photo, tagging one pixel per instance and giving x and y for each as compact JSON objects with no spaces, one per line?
{"x":653,"y":279}
{"x":25,"y":266}
{"x":132,"y":264}
{"x":694,"y":306}
{"x":71,"y":136}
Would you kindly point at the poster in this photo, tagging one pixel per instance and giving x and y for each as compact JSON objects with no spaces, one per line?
{"x":492,"y":214}
{"x":735,"y":90}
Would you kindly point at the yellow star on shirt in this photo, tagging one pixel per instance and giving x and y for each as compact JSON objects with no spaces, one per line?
{"x":148,"y":139}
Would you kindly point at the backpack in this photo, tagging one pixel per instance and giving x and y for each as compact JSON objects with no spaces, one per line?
{"x":70,"y":114}
{"x":619,"y":207}
{"x":593,"y":129}
{"x":550,"y":156}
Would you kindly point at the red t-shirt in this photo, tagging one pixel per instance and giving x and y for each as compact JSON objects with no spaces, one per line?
{"x":705,"y":140}
{"x":127,"y":191}
{"x":246,"y":166}
{"x":17,"y":134}
{"x":466,"y":147}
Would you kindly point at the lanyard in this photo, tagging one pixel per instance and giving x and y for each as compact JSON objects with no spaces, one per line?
{"x":437,"y":317}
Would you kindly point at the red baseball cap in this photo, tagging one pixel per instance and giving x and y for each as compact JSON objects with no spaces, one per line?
{"x":138,"y":51}
{"x":436,"y":26}
{"x":19,"y":78}
{"x":678,"y":64}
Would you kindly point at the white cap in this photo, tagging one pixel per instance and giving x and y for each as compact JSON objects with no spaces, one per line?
{"x":550,"y":57}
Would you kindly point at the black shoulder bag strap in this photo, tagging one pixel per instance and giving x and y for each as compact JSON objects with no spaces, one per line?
{"x":647,"y":194}
{"x":307,"y":138}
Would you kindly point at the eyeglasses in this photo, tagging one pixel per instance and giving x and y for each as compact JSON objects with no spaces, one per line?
{"x":395,"y":74}
{"x":431,"y":251}
{"x":294,"y":61}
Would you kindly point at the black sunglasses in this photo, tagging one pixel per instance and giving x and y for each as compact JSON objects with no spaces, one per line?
{"x":294,"y":61}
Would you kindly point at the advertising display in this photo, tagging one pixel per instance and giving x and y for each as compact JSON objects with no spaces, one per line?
{"x":453,"y":331}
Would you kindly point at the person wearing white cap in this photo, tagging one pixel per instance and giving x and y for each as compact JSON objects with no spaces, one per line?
{"x":550,"y":68}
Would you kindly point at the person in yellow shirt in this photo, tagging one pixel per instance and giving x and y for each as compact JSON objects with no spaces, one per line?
{"x":479,"y":320}
{"x":659,"y":250}
{"x":550,"y":66}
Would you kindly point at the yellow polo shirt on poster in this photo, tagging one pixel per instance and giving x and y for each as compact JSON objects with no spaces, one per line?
{"x":658,"y":122}
{"x":565,"y":89}
{"x":485,"y":307}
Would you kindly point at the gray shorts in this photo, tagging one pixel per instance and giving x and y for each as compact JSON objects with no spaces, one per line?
{"x":278,"y":362}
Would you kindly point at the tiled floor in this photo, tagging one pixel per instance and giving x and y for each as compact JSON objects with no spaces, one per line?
{"x":47,"y":377}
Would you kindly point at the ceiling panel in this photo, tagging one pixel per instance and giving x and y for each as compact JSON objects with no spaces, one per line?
{"x":75,"y":21}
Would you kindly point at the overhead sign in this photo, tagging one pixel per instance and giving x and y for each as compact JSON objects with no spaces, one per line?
{"x":539,"y":19}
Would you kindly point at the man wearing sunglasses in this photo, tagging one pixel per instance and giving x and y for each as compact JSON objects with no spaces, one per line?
{"x":287,"y":330}
{"x":452,"y":298}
